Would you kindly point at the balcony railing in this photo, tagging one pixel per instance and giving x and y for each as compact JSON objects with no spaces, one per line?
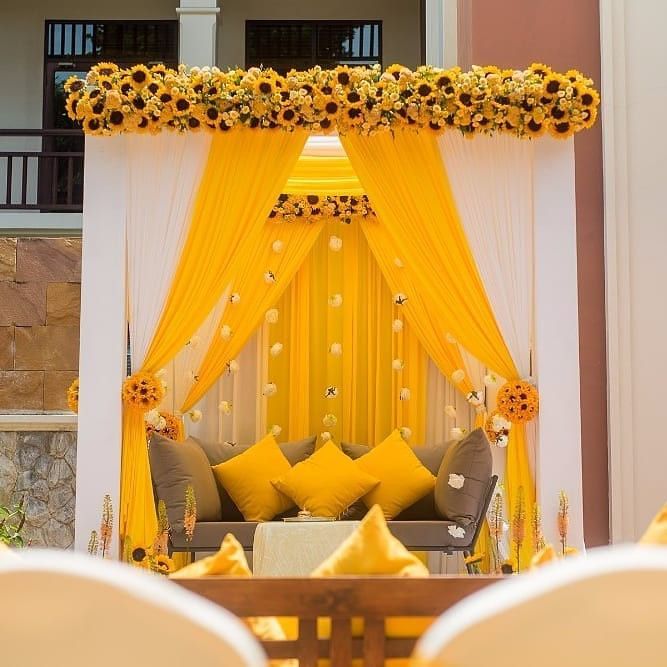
{"x":41,"y":170}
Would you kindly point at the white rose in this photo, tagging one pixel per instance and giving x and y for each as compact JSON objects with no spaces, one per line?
{"x":404,"y":394}
{"x":336,"y":300}
{"x":276,"y":349}
{"x":475,"y":397}
{"x":456,"y":531}
{"x":456,"y":481}
{"x":398,"y":262}
{"x":406,"y":432}
{"x":225,"y":407}
{"x":329,"y":420}
{"x":397,"y":326}
{"x":233,"y":365}
{"x":269,"y":277}
{"x":502,"y":440}
{"x":235,"y":297}
{"x":331,"y":391}
{"x":270,"y":389}
{"x":325,"y":435}
{"x":400,"y":298}
{"x":276,"y":430}
{"x":450,"y":411}
{"x":161,"y":424}
{"x":225,"y":332}
{"x":277,"y":246}
{"x":490,"y":379}
{"x":152,"y":417}
{"x":457,"y":433}
{"x":458,"y":376}
{"x":398,"y":364}
{"x":195,"y":415}
{"x":271,"y":315}
{"x":335,"y":243}
{"x":336,"y":349}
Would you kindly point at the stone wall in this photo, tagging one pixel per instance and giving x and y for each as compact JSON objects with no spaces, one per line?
{"x":39,"y":322}
{"x":40,"y":467}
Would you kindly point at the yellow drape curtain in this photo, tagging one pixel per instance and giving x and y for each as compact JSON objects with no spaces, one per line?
{"x":323,"y":175}
{"x":403,"y":174}
{"x":246,"y":276}
{"x":244,"y":175}
{"x":367,"y":407}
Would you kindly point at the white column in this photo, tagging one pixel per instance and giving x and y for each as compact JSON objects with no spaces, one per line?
{"x":441,"y":32}
{"x":103,"y":336}
{"x":558,"y":457}
{"x":197,"y":31}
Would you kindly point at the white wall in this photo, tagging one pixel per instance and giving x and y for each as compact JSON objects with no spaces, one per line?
{"x":634,"y":95}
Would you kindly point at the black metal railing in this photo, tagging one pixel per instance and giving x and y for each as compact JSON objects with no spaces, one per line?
{"x":41,"y":170}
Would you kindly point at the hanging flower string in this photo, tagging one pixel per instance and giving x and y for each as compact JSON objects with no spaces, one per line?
{"x":289,"y":208}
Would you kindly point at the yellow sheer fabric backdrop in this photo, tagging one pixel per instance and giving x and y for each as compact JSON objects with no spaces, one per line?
{"x":403,"y":174}
{"x":244,"y":175}
{"x":367,"y":406}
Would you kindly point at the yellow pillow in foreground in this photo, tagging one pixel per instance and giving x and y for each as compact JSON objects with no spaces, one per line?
{"x":656,"y":533}
{"x":326,"y":483}
{"x":247,"y":479}
{"x":403,"y":478}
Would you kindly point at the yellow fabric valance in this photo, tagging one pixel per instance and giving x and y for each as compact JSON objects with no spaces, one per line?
{"x":323,"y":175}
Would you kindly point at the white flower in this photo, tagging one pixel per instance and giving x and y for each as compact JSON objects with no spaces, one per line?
{"x":193,"y":342}
{"x":232,"y":366}
{"x":450,"y":338}
{"x":450,"y":411}
{"x":400,"y":298}
{"x":225,"y":407}
{"x":226,"y":332}
{"x":457,"y":433}
{"x":329,"y":420}
{"x":458,"y":376}
{"x":502,"y":440}
{"x":235,"y":297}
{"x":398,"y":364}
{"x":270,"y":389}
{"x":195,"y":415}
{"x":397,"y":326}
{"x":152,"y":417}
{"x":331,"y":391}
{"x":456,"y":531}
{"x":161,"y":424}
{"x":499,"y":423}
{"x":404,"y":394}
{"x":325,"y":435}
{"x":336,"y":300}
{"x":335,"y":243}
{"x":398,"y":262}
{"x":161,"y":373}
{"x":275,"y":430}
{"x":406,"y":432}
{"x":269,"y":277}
{"x":277,"y":246}
{"x":456,"y":481}
{"x":336,"y":349}
{"x":271,"y":315}
{"x":475,"y":397}
{"x":276,"y":349}
{"x":490,"y":379}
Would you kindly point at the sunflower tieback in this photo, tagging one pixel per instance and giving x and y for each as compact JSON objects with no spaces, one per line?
{"x":142,"y":391}
{"x":518,"y":401}
{"x":73,"y":396}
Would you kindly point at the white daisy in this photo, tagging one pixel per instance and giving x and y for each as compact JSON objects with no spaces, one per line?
{"x":195,"y":415}
{"x":398,"y":364}
{"x":277,"y":246}
{"x":397,"y":326}
{"x":276,"y":349}
{"x":271,"y":315}
{"x":404,"y":394}
{"x":225,"y":407}
{"x":335,"y":243}
{"x":335,"y":349}
{"x":458,"y":376}
{"x":225,"y":332}
{"x":336,"y":300}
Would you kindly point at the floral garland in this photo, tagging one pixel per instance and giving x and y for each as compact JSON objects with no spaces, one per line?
{"x":293,"y":207}
{"x":166,"y":424}
{"x":367,"y":100}
{"x":73,"y":396}
{"x":143,"y":391}
{"x":518,"y":401}
{"x":497,"y":429}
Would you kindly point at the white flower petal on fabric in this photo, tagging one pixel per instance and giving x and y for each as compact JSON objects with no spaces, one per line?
{"x":475,"y":397}
{"x":398,"y":262}
{"x":270,"y":389}
{"x":161,"y":424}
{"x":275,"y":430}
{"x":329,"y":420}
{"x":457,"y":433}
{"x":195,"y":415}
{"x":276,"y":349}
{"x":458,"y":376}
{"x":232,"y":366}
{"x":398,"y":364}
{"x":335,"y":243}
{"x":331,"y":391}
{"x":400,"y":298}
{"x":325,"y":435}
{"x":450,"y":338}
{"x":225,"y":407}
{"x":456,"y":481}
{"x":234,"y":297}
{"x":406,"y":432}
{"x":152,"y":417}
{"x":336,"y":300}
{"x":502,"y":440}
{"x":272,"y":315}
{"x":336,"y":349}
{"x":277,"y":246}
{"x":450,"y":411}
{"x":225,"y":332}
{"x":456,"y":531}
{"x":269,"y":277}
{"x":404,"y":394}
{"x":397,"y":326}
{"x":490,"y":379}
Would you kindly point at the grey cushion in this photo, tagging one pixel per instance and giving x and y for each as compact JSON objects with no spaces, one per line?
{"x":174,"y":466}
{"x":471,"y":457}
{"x":219,"y":452}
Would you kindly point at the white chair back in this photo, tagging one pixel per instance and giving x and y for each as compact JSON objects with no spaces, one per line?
{"x":604,"y":609}
{"x":63,"y":609}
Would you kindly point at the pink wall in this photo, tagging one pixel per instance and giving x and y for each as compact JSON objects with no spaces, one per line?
{"x":564,"y":35}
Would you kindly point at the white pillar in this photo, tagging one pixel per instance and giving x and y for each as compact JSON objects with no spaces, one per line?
{"x":441,"y":32}
{"x":197,"y":32}
{"x":558,"y":457}
{"x":103,"y":336}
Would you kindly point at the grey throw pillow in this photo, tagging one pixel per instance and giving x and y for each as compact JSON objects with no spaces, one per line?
{"x":174,"y":466}
{"x":471,"y":459}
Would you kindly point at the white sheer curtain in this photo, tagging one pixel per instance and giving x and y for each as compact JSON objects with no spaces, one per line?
{"x":164,"y":172}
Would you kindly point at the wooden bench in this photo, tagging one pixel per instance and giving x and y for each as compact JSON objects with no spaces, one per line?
{"x":341,"y":598}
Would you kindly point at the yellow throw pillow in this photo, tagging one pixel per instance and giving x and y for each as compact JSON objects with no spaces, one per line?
{"x":326,"y":483}
{"x":403,"y":478}
{"x":372,"y":549}
{"x":656,"y":533}
{"x":247,"y":478}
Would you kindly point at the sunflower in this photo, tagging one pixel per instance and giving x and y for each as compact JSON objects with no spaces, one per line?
{"x":287,"y":117}
{"x":106,"y":69}
{"x":560,"y":130}
{"x":93,"y":126}
{"x":554,"y":82}
{"x":164,"y":564}
{"x":181,"y":104}
{"x":331,"y":108}
{"x":158,"y":70}
{"x":540,"y":69}
{"x":424,"y":89}
{"x":395,"y":70}
{"x":142,"y":124}
{"x":74,"y":84}
{"x":343,"y":74}
{"x":534,"y":128}
{"x":354,"y":116}
{"x":140,"y":76}
{"x":70,"y":106}
{"x":116,"y":120}
{"x":264,"y":85}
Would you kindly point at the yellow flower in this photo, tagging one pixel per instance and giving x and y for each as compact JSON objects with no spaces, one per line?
{"x":180,"y":104}
{"x":265,"y":85}
{"x":140,"y":76}
{"x":518,"y":401}
{"x":142,"y":390}
{"x":73,"y":396}
{"x":164,"y":564}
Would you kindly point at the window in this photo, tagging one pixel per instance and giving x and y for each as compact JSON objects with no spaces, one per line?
{"x":284,"y":45}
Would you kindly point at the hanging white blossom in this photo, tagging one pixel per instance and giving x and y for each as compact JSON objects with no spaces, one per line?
{"x":335,"y":243}
{"x":398,"y":364}
{"x":225,"y":407}
{"x":490,"y":379}
{"x":398,"y":262}
{"x":195,"y":415}
{"x":450,"y":338}
{"x":456,"y":531}
{"x":234,"y":298}
{"x":276,"y":349}
{"x":225,"y":332}
{"x":269,"y":277}
{"x":152,"y":417}
{"x":336,"y":300}
{"x":276,"y":430}
{"x":271,"y":315}
{"x":502,"y":440}
{"x":329,"y":420}
{"x":397,"y":326}
{"x":336,"y":349}
{"x":404,"y":394}
{"x":406,"y":432}
{"x":277,"y":246}
{"x":475,"y":397}
{"x":457,"y":433}
{"x":161,"y":424}
{"x":456,"y":481}
{"x":400,"y":298}
{"x":331,"y":391}
{"x":458,"y":376}
{"x":499,"y":423}
{"x":232,"y":366}
{"x":161,"y":374}
{"x":450,"y":411}
{"x":325,"y":435}
{"x":270,"y":389}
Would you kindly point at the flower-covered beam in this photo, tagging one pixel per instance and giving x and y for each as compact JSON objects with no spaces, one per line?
{"x":367,"y":100}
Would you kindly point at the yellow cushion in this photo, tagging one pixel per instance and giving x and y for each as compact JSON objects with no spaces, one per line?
{"x":326,"y":483}
{"x":247,"y":478}
{"x":656,"y":533}
{"x":372,"y":549}
{"x":403,"y":478}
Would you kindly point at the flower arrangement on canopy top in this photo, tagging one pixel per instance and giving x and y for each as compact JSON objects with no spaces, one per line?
{"x":73,"y":396}
{"x":485,"y":100}
{"x":518,"y":401}
{"x":143,"y":391}
{"x":293,"y":207}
